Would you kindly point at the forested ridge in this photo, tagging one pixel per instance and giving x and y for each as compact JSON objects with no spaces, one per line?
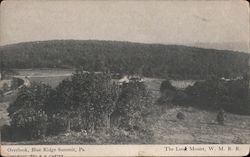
{"x":151,"y":60}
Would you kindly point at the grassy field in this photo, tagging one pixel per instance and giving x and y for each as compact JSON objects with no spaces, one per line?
{"x":53,"y":81}
{"x":199,"y":126}
{"x":43,"y":72}
{"x":51,"y":77}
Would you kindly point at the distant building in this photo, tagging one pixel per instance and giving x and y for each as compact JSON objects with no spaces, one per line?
{"x":224,"y":79}
{"x":136,"y":78}
{"x":132,"y":78}
{"x":232,"y":79}
{"x":125,"y":79}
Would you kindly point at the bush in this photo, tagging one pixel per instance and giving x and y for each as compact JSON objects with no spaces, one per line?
{"x":168,"y":93}
{"x":166,"y":86}
{"x":133,"y":102}
{"x":220,"y":117}
{"x":180,"y":116}
{"x":28,"y":124}
{"x":28,"y":118}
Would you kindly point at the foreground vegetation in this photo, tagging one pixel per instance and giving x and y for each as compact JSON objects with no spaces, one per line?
{"x":90,"y":108}
{"x":86,"y":103}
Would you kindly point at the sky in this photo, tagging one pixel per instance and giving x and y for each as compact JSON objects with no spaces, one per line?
{"x":211,"y":24}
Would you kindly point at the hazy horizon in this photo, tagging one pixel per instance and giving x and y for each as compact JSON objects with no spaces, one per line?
{"x":207,"y":24}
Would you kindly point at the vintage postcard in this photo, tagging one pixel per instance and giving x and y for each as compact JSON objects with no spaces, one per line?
{"x":124,"y":78}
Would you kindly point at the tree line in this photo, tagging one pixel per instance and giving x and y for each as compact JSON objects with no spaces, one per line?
{"x":211,"y":94}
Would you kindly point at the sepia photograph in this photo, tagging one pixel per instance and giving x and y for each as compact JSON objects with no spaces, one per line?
{"x":122,"y":72}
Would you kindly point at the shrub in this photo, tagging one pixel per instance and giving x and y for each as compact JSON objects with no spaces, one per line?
{"x":220,"y":117}
{"x":180,"y":116}
{"x":34,"y":97}
{"x":168,"y":93}
{"x":28,"y":118}
{"x":166,"y":86}
{"x":28,"y":124}
{"x":133,"y":102}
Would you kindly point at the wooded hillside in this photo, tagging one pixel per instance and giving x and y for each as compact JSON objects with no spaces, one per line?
{"x":151,"y":60}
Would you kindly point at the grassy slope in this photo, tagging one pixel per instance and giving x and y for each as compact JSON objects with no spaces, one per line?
{"x":200,"y":126}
